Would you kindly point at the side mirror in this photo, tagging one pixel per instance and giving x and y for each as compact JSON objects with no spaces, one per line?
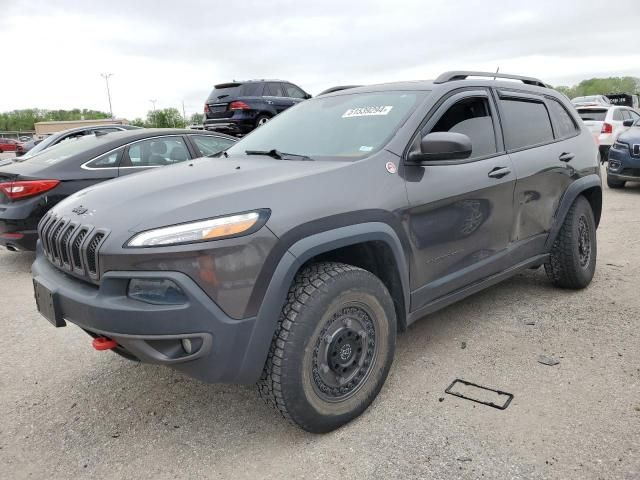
{"x":628,"y":123}
{"x":307,"y":96}
{"x":442,"y":146}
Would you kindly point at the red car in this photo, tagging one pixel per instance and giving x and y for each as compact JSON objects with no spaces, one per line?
{"x":11,"y":145}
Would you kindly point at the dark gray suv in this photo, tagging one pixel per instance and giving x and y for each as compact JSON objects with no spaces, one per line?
{"x":294,"y":258}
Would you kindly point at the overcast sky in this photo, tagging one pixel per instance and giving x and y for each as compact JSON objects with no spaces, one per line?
{"x":174,"y":51}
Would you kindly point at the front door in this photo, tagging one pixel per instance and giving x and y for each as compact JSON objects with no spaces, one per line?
{"x":460,"y":213}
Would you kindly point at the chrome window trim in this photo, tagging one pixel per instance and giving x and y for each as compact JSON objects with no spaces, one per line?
{"x":85,"y":166}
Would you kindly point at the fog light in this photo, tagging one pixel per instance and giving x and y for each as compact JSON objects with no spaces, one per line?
{"x":157,"y":291}
{"x":187,"y":345}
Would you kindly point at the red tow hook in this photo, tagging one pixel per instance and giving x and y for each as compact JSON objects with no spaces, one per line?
{"x":104,"y":343}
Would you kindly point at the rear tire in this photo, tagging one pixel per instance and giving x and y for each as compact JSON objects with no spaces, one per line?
{"x":262,"y":119}
{"x":332,"y":349}
{"x":572,"y":263}
{"x":615,"y":183}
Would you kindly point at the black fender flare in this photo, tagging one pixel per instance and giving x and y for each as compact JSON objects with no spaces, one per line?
{"x":571,"y":193}
{"x":300,"y":252}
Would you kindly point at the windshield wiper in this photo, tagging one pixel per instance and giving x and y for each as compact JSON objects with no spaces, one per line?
{"x":277,"y":154}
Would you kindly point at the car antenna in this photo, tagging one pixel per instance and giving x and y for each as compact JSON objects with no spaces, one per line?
{"x":497,"y":71}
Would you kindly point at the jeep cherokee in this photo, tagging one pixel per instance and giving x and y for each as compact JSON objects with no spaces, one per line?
{"x":293,"y":259}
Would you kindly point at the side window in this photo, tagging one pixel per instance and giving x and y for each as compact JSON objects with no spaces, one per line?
{"x":634,"y":115}
{"x":156,"y":152}
{"x":293,"y":91}
{"x":526,"y":123}
{"x":210,"y":144}
{"x":272,"y":90}
{"x":566,"y":126}
{"x":626,"y":115}
{"x":108,"y":160}
{"x":472,"y":117}
{"x":108,"y":129}
{"x":617,"y":115}
{"x":252,"y":89}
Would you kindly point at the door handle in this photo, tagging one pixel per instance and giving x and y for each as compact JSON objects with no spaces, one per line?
{"x":566,"y":157}
{"x":499,"y":172}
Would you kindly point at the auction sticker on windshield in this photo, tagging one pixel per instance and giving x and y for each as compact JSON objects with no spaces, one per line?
{"x":367,"y":111}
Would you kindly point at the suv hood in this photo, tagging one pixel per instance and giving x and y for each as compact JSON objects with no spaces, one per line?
{"x":193,"y":190}
{"x":630,"y":136}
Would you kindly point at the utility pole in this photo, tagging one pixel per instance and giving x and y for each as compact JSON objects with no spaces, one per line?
{"x":153,"y":102}
{"x":106,"y":79}
{"x":184,"y":114}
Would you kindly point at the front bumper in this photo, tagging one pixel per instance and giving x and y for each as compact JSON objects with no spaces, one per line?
{"x":153,"y":333}
{"x":623,"y":166}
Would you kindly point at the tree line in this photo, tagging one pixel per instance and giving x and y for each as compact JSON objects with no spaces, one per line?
{"x":24,"y":120}
{"x":602,"y":86}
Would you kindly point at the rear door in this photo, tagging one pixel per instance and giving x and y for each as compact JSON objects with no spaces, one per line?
{"x":296,"y":94}
{"x":153,"y":153}
{"x":274,"y":96}
{"x":460,"y":214}
{"x":542,"y":164}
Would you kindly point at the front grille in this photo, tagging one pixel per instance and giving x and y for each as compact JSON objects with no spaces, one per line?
{"x":72,"y":246}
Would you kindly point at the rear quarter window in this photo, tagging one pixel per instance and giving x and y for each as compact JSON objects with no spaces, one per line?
{"x":564,"y":122}
{"x":526,"y":123}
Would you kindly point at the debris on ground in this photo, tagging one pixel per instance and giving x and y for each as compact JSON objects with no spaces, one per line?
{"x":545,"y":360}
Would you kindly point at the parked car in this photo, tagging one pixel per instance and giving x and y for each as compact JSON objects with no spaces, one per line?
{"x":337,"y":88}
{"x":591,"y":100}
{"x":606,"y":123}
{"x":294,"y":260}
{"x":239,"y":107}
{"x":29,"y":188}
{"x":72,"y":134}
{"x":30,"y":144}
{"x":624,"y":157}
{"x":11,"y":145}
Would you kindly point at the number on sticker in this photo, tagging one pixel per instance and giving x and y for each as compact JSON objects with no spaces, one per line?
{"x":367,"y":111}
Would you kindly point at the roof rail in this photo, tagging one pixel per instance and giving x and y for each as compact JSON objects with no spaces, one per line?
{"x":462,"y":75}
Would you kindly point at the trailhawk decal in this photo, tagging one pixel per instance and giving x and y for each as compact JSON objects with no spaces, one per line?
{"x":367,"y":111}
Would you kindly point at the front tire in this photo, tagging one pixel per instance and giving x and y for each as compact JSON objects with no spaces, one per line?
{"x":332,"y":349}
{"x":572,"y":263}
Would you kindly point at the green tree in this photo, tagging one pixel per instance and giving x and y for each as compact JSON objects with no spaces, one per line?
{"x":138,"y":122}
{"x":602,"y":86}
{"x":24,"y":120}
{"x":196,"y":119}
{"x":165,"y":118}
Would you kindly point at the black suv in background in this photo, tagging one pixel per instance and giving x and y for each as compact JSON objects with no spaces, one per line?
{"x":294,"y":260}
{"x":239,"y":107}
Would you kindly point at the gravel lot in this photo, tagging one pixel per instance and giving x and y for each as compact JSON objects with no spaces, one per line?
{"x":68,"y":411}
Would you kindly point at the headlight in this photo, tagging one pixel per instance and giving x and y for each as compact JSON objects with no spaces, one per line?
{"x":200,"y":231}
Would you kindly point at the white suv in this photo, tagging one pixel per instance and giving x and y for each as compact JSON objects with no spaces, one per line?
{"x":606,"y":123}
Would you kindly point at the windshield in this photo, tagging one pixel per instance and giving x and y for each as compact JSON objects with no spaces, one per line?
{"x":349,"y":126}
{"x":66,"y":149}
{"x":593,"y":114}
